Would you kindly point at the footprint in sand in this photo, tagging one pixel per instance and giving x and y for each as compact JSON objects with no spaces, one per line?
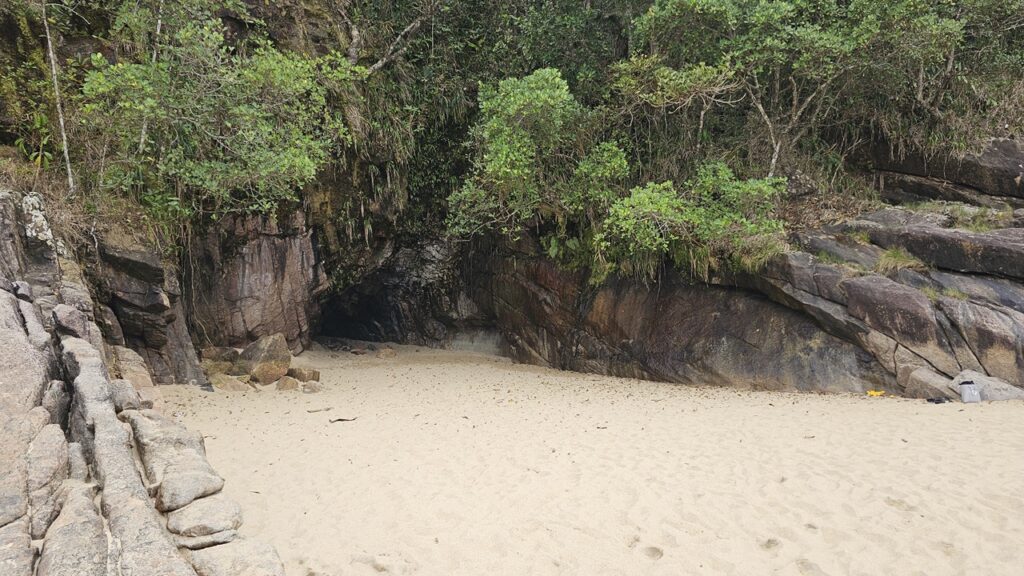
{"x":653,"y":552}
{"x":770,"y":544}
{"x":808,"y":568}
{"x":899,"y":504}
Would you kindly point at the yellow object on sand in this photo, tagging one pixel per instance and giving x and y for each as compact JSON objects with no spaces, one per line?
{"x":876,"y":393}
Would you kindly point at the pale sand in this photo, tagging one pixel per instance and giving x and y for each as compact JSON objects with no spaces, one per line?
{"x":469,"y":465}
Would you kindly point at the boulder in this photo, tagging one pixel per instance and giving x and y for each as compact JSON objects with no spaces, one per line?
{"x":996,"y":171}
{"x":139,"y":544}
{"x":924,"y":382}
{"x":174,"y":459}
{"x":23,"y":290}
{"x":205,"y":516}
{"x":266,"y":359}
{"x":124,"y":396}
{"x":304,"y":374}
{"x":47,"y":470}
{"x":151,"y":398}
{"x":213,"y":367}
{"x":228,"y":383}
{"x":71,"y":321}
{"x":991,"y":388}
{"x":239,"y":558}
{"x":132,"y":367}
{"x":76,"y":543}
{"x":24,"y":370}
{"x":109,"y":325}
{"x":288,"y":383}
{"x":38,"y":336}
{"x":312,"y":387}
{"x":997,"y":253}
{"x":15,"y":435}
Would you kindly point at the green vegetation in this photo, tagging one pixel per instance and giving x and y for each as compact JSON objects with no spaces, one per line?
{"x":896,"y":259}
{"x":934,"y":294}
{"x":624,"y":135}
{"x":974,"y":218}
{"x":206,"y":128}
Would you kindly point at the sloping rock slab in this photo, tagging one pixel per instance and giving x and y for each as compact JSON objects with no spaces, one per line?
{"x":139,"y":544}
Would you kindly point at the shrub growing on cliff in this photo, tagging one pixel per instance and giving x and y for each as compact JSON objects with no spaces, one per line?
{"x":206,"y":127}
{"x":715,"y":220}
{"x":542,"y":165}
{"x":536,"y":159}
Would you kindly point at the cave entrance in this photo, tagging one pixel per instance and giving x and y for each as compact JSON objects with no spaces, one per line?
{"x":401,"y":304}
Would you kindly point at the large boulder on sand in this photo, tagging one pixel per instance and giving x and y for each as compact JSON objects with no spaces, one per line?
{"x":266,"y":359}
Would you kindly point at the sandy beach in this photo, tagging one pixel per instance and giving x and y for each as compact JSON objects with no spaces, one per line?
{"x":464,"y":464}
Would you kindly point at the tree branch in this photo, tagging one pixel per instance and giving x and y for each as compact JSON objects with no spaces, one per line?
{"x":398,"y":46}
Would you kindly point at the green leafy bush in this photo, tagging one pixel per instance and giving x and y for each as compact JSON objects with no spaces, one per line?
{"x":207,"y":129}
{"x":716,"y":221}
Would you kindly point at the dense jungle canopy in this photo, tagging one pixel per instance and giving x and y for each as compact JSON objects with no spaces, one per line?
{"x":623,"y":134}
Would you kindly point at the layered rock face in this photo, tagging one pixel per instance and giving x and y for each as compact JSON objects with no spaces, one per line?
{"x":818,"y":318}
{"x":254,"y":276}
{"x":71,"y":431}
{"x":141,"y":309}
{"x":993,"y":178}
{"x":674,"y":331}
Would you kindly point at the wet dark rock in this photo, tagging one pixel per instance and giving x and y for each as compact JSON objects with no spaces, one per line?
{"x":142,"y":292}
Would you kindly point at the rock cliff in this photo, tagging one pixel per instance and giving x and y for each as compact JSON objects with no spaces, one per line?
{"x":70,"y":391}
